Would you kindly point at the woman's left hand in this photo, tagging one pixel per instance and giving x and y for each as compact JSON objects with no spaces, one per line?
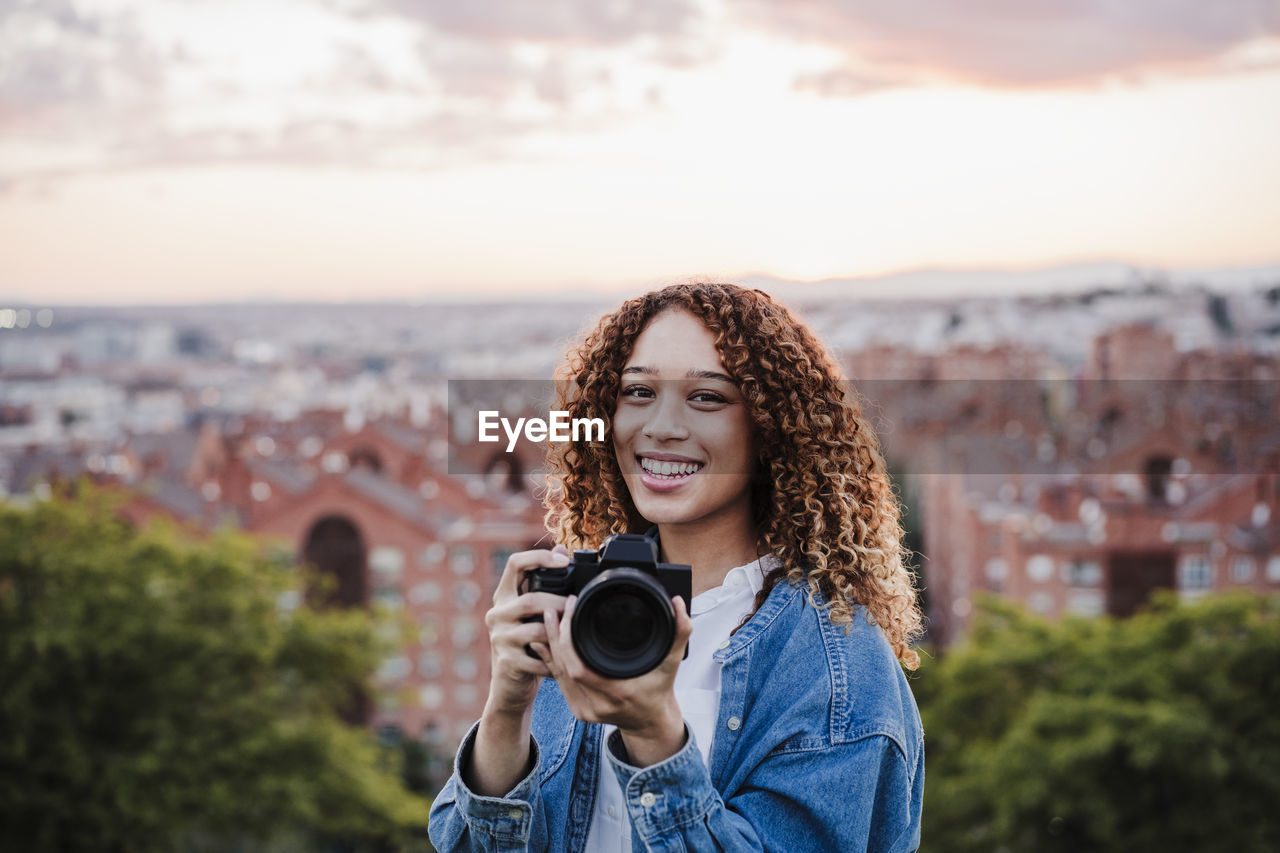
{"x":643,"y":708}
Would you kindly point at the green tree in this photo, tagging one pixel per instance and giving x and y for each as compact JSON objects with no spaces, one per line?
{"x":1158,"y":732}
{"x":160,"y":694}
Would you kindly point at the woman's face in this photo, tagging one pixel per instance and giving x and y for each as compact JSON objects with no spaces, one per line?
{"x":681,"y":430}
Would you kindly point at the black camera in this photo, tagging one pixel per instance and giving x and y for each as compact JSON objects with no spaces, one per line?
{"x":624,"y":623}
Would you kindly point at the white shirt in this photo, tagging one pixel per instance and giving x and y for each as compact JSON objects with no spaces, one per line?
{"x":715,"y":613}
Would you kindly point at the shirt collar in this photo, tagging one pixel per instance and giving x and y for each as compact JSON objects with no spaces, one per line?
{"x":737,"y":581}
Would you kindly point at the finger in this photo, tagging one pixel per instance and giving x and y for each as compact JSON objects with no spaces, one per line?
{"x":547,"y":650}
{"x":520,"y":634}
{"x":521,"y":662}
{"x":521,"y":562}
{"x":545,"y":660}
{"x":551,"y":623}
{"x":561,"y":549}
{"x":562,"y":642}
{"x":684,"y":629}
{"x":528,"y":604}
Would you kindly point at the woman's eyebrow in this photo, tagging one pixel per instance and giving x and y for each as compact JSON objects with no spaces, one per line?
{"x":692,"y":374}
{"x":711,"y":374}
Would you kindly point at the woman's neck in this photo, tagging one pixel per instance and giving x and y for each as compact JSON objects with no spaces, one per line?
{"x":712,"y":549}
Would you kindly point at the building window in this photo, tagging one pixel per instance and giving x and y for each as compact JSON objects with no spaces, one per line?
{"x":394,"y":669}
{"x":464,"y":666}
{"x":389,"y":597}
{"x":431,"y":555}
{"x":427,"y":592}
{"x":464,"y":631}
{"x":1243,"y":569}
{"x":466,"y":594}
{"x":1040,"y":567}
{"x":387,"y":561}
{"x":463,"y":560}
{"x":1040,"y":602}
{"x":1273,"y":568}
{"x":1194,"y":572}
{"x":499,"y":560}
{"x":1082,"y":573}
{"x":997,"y":570}
{"x":466,"y":696}
{"x":1086,"y":602}
{"x":429,"y":665}
{"x":432,"y":696}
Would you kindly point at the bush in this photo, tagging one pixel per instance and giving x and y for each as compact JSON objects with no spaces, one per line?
{"x":1159,"y":732}
{"x":155,"y":695}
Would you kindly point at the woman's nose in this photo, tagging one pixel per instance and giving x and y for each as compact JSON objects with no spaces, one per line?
{"x":666,"y":421}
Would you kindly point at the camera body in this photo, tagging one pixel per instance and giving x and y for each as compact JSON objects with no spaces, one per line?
{"x":623,"y":622}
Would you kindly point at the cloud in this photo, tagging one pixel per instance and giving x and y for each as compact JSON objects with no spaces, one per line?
{"x":373,"y":83}
{"x":586,"y":22}
{"x":1017,"y":42}
{"x":60,"y":67}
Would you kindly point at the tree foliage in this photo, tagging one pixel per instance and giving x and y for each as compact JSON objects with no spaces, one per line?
{"x":1158,"y":732}
{"x":156,"y":695}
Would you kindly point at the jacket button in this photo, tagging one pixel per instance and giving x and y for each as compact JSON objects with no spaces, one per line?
{"x":514,"y":814}
{"x":647,"y":800}
{"x":733,"y":724}
{"x":723,"y":645}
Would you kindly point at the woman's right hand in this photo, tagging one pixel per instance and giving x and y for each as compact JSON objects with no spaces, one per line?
{"x":515,"y":675}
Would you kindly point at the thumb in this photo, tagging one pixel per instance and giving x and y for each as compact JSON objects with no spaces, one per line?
{"x":684,"y":627}
{"x":560,"y":549}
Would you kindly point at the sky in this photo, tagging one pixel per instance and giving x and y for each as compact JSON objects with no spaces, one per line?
{"x":220,"y":150}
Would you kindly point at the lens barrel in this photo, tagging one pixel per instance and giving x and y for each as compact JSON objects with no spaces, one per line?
{"x":623,"y":623}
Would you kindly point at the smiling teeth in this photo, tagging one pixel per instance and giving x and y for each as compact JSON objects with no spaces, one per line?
{"x":669,"y":469}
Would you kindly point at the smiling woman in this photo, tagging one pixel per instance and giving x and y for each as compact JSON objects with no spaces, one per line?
{"x":735,"y":445}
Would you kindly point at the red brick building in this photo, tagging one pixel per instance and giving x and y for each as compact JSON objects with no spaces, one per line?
{"x":377,"y":511}
{"x":1149,"y":468}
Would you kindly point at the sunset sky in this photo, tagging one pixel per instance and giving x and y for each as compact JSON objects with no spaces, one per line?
{"x":215,"y":150}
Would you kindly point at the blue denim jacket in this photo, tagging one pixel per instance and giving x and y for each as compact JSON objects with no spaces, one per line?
{"x":818,"y":746}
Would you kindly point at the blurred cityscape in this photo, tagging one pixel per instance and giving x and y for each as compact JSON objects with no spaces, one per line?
{"x":1072,"y":452}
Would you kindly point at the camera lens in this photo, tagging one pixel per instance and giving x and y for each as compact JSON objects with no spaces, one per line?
{"x":623,"y":625}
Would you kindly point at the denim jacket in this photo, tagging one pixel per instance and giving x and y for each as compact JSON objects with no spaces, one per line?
{"x":818,"y":746}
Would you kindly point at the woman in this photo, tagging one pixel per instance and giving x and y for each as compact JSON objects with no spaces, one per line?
{"x":790,"y":725}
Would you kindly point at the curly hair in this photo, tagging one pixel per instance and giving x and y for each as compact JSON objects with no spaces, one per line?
{"x":821,"y":497}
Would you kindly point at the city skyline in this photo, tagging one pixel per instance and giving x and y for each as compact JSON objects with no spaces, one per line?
{"x":161,"y":152}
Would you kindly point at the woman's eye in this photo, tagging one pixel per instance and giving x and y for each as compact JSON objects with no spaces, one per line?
{"x":638,"y":391}
{"x":708,"y":397}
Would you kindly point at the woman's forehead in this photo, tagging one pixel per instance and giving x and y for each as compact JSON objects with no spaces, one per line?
{"x":673,"y":344}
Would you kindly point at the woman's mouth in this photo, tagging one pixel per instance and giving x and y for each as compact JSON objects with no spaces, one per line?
{"x":664,"y":474}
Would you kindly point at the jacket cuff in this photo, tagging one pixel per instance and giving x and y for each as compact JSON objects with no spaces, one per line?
{"x":508,"y":818}
{"x":665,"y":795}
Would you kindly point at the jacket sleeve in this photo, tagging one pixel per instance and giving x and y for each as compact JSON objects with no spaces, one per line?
{"x":464,"y":820}
{"x":853,"y":796}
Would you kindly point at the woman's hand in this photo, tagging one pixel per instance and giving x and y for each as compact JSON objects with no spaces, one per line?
{"x":514,"y":676}
{"x":502,"y":756}
{"x":643,"y":708}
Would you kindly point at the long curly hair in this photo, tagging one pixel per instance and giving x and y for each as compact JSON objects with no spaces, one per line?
{"x":821,"y":497}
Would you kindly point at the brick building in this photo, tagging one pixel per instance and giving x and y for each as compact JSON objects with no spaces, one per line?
{"x":1148,"y":468}
{"x":371,"y":505}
